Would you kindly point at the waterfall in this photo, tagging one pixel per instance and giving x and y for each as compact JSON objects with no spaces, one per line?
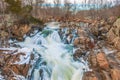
{"x":55,"y":62}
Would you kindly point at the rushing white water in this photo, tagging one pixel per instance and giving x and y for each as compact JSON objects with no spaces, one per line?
{"x":55,"y":62}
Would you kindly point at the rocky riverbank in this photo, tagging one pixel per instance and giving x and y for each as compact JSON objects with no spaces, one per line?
{"x":96,"y":42}
{"x":15,"y":62}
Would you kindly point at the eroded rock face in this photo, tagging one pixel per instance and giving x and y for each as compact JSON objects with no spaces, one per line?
{"x":9,"y":63}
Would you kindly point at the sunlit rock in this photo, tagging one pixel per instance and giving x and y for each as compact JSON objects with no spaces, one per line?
{"x":90,"y":76}
{"x":92,"y":60}
{"x":116,"y":43}
{"x":118,"y":55}
{"x":15,"y":62}
{"x":111,"y":34}
{"x":117,"y":23}
{"x":102,"y":61}
{"x":76,"y":41}
{"x":115,"y":74}
{"x":105,"y":75}
{"x":19,"y":31}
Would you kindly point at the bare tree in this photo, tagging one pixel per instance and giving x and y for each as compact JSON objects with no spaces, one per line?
{"x":37,"y":7}
{"x":27,"y":2}
{"x":56,"y":10}
{"x":75,"y":6}
{"x":67,"y":8}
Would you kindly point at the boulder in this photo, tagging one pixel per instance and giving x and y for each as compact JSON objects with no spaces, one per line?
{"x":92,"y":60}
{"x":117,"y":23}
{"x":111,"y":20}
{"x":115,"y":74}
{"x":89,"y":76}
{"x":3,"y":34}
{"x":19,"y":31}
{"x":116,"y":42}
{"x":81,"y":41}
{"x":81,"y":32}
{"x":114,"y":34}
{"x":78,"y":53}
{"x":90,"y":43}
{"x":76,"y":41}
{"x":15,"y":69}
{"x":94,"y":29}
{"x":8,"y":63}
{"x":114,"y":31}
{"x":102,"y":61}
{"x":20,"y":69}
{"x":102,"y":23}
{"x":113,"y":60}
{"x":117,"y":55}
{"x":25,"y":70}
{"x":105,"y":75}
{"x":104,"y":29}
{"x":111,"y":35}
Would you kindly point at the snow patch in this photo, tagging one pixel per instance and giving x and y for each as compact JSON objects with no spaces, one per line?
{"x":19,"y":77}
{"x":9,"y":49}
{"x":24,"y":59}
{"x":1,"y":77}
{"x":108,"y":51}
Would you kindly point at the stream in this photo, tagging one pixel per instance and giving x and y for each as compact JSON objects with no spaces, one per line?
{"x":53,"y":57}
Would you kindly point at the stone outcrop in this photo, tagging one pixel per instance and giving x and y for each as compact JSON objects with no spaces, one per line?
{"x":115,"y":74}
{"x":102,"y":61}
{"x":19,"y":31}
{"x":117,"y":55}
{"x":116,"y":42}
{"x":92,"y":60}
{"x":114,"y":34}
{"x":9,"y":63}
{"x":89,"y":76}
{"x":103,"y":67}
